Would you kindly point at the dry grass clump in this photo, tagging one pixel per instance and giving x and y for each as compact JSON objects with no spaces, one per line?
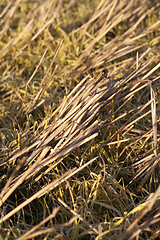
{"x":79,"y":120}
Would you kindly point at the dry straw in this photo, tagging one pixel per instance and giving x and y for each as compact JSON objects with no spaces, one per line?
{"x":93,"y":154}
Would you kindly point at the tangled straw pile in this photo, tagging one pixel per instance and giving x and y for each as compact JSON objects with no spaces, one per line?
{"x":87,"y":166}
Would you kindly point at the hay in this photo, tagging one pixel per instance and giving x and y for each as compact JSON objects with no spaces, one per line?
{"x":90,"y":150}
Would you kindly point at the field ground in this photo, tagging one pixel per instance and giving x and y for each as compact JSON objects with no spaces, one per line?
{"x":79,"y":119}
